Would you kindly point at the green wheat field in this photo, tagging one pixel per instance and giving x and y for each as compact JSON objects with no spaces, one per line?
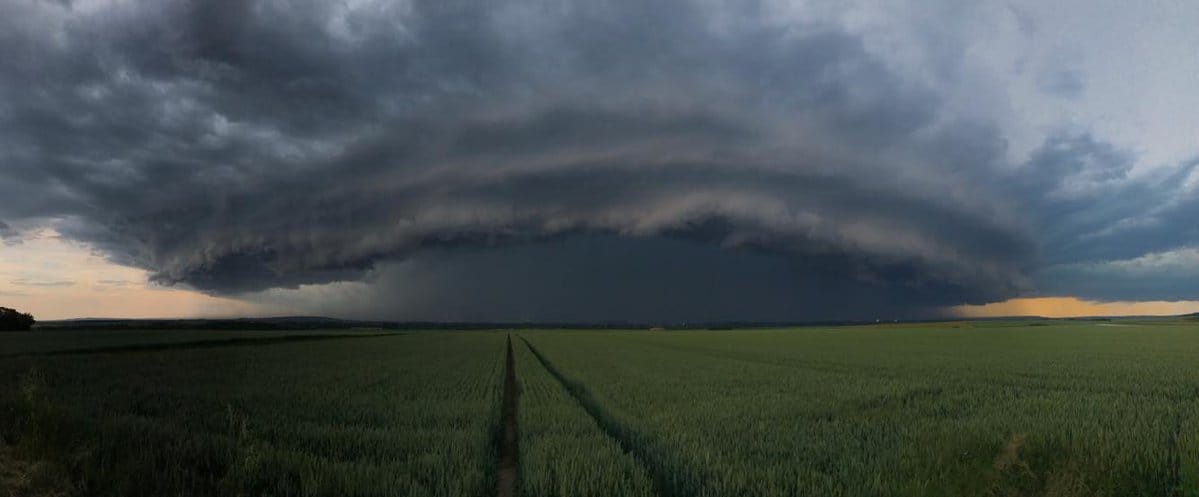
{"x":1032,"y":408}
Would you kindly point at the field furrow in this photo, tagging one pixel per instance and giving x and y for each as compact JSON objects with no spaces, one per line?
{"x":508,"y":472}
{"x":568,"y":449}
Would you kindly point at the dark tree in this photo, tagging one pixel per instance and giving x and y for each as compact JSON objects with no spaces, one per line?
{"x":14,"y":320}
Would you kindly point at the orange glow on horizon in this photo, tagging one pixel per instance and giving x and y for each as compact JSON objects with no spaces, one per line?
{"x":1066,"y":307}
{"x":53,"y":278}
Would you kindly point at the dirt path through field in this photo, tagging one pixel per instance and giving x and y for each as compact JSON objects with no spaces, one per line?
{"x":672,"y":477}
{"x":509,"y":470}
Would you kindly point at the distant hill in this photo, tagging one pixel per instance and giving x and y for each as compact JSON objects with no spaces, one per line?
{"x":304,"y":323}
{"x":319,"y":322}
{"x":272,"y":323}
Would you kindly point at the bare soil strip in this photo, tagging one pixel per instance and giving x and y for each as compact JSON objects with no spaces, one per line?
{"x":671,"y":477}
{"x":509,"y":440}
{"x":200,"y":344}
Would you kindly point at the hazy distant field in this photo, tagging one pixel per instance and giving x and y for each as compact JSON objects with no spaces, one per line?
{"x":985,"y":409}
{"x":55,"y":341}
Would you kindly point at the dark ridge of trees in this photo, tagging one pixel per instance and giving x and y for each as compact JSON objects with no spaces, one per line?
{"x":14,"y":320}
{"x":324,"y":323}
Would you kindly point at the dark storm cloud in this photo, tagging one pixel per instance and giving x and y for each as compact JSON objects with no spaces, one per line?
{"x":1108,"y":235}
{"x":240,"y":146}
{"x":1090,"y":209}
{"x":615,"y":279}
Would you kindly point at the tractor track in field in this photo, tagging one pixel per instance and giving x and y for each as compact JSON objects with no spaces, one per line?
{"x":671,"y":478}
{"x":196,"y":344}
{"x":508,"y":440}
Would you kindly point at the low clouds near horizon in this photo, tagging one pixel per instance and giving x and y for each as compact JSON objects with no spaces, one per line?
{"x":560,"y":160}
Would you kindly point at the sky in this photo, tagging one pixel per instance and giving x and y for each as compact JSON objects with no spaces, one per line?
{"x":613,"y":160}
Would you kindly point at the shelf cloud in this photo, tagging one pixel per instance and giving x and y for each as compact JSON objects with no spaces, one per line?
{"x":461,"y":159}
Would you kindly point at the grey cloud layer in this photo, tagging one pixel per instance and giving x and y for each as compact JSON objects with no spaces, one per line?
{"x":242,"y":146}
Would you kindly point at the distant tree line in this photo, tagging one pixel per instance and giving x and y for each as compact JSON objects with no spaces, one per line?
{"x":14,"y":320}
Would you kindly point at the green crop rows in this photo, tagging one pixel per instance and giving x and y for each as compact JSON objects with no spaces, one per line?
{"x":932,"y":410}
{"x":1059,"y":410}
{"x":363,"y":416}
